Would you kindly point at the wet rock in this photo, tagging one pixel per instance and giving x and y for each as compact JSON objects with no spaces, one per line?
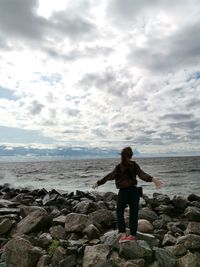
{"x":190,"y":241}
{"x":192,"y":213}
{"x":145,"y":226}
{"x":20,"y":253}
{"x":57,"y":232}
{"x":165,"y":258}
{"x":135,"y":249}
{"x":76,"y":222}
{"x":147,"y":214}
{"x":104,"y":217}
{"x":5,"y":226}
{"x":33,"y":222}
{"x":95,"y":255}
{"x":193,"y":228}
{"x":180,"y":203}
{"x":193,"y":197}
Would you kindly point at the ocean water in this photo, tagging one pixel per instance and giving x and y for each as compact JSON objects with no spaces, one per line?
{"x":180,"y":175}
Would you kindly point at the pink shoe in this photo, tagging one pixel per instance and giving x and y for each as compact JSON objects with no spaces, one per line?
{"x":131,"y":238}
{"x":123,"y":238}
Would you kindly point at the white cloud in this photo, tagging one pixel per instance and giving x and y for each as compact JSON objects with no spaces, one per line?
{"x":101,"y":73}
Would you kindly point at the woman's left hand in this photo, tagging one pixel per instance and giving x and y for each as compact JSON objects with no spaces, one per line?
{"x":158,"y":183}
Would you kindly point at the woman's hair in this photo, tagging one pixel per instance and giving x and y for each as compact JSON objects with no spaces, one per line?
{"x":126,"y":155}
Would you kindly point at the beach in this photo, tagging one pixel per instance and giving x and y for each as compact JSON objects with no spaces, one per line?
{"x":41,"y":228}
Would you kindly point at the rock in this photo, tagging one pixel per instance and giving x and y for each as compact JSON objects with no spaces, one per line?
{"x":103,"y":217}
{"x":193,"y":228}
{"x":58,"y":255}
{"x":76,"y":222}
{"x":176,"y":250}
{"x":109,"y":196}
{"x":57,"y":232}
{"x":35,"y":221}
{"x":190,"y":259}
{"x":165,"y":209}
{"x":162,"y":198}
{"x":172,"y":227}
{"x":5,"y":211}
{"x":165,"y":258}
{"x":193,"y":197}
{"x":7,"y":204}
{"x":135,"y":249}
{"x":95,"y":255}
{"x":45,"y":239}
{"x":91,"y":231}
{"x":69,"y":261}
{"x":150,"y":239}
{"x":5,"y":226}
{"x":85,"y":207}
{"x":20,"y":253}
{"x":192,"y":213}
{"x":180,"y":203}
{"x":111,"y":239}
{"x":145,"y":226}
{"x":154,"y":264}
{"x":44,"y":261}
{"x":168,"y":240}
{"x":147,"y":214}
{"x":60,"y":220}
{"x":26,"y":210}
{"x":190,"y":241}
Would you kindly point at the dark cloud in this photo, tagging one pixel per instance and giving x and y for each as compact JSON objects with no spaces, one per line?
{"x":35,"y":107}
{"x":181,"y":49}
{"x":177,"y":116}
{"x":19,"y":18}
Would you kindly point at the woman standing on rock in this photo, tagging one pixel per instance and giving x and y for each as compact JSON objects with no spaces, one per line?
{"x":124,"y":175}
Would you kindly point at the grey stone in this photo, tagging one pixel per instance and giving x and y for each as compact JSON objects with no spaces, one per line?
{"x":60,"y":220}
{"x":168,"y":240}
{"x":91,"y":231}
{"x":35,"y":221}
{"x":193,"y":228}
{"x":190,"y":241}
{"x":20,"y":253}
{"x":149,"y":238}
{"x":58,"y":255}
{"x":180,"y":203}
{"x":5,"y":226}
{"x":85,"y":207}
{"x":111,"y":239}
{"x":76,"y":222}
{"x":69,"y":261}
{"x":165,"y":258}
{"x":104,"y":217}
{"x":44,"y":261}
{"x":57,"y":232}
{"x":95,"y":255}
{"x":135,"y":249}
{"x":190,"y":259}
{"x":192,"y":213}
{"x":147,"y":214}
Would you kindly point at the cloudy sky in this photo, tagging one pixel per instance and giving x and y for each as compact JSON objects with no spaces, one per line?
{"x":101,"y":73}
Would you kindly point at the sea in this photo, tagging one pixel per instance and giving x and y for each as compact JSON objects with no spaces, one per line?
{"x":180,"y":175}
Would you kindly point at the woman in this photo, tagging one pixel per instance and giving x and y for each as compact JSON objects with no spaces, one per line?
{"x":124,"y":175}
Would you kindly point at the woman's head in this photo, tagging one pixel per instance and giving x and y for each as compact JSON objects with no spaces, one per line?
{"x":126,"y":155}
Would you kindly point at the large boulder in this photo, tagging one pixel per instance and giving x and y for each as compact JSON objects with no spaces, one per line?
{"x":95,"y":255}
{"x":165,"y":258}
{"x":147,"y":214}
{"x":85,"y":207}
{"x":190,"y":241}
{"x":103,"y":217}
{"x":190,"y":259}
{"x":20,"y":253}
{"x":76,"y":222}
{"x":34,"y":222}
{"x":135,"y":249}
{"x":193,"y":228}
{"x":192,"y":213}
{"x":145,"y":226}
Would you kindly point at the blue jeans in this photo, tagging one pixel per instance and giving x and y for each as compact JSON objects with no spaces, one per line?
{"x":128,"y":196}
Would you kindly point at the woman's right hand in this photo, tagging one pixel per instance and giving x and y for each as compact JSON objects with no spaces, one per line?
{"x":95,"y":186}
{"x":158,"y":183}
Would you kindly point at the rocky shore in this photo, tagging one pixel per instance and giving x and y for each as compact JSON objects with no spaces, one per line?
{"x":40,"y":228}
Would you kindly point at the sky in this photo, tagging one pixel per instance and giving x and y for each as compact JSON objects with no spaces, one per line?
{"x":99,"y":73}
